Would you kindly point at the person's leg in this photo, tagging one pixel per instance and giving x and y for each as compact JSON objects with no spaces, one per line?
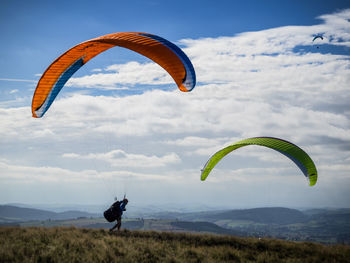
{"x":113,"y":227}
{"x":119,"y":222}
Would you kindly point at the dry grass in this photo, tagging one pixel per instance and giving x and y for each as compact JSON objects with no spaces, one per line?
{"x":62,"y":244}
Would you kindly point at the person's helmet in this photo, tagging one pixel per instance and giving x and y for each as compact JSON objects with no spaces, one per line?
{"x":125,"y":200}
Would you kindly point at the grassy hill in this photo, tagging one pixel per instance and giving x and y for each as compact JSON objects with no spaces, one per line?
{"x":132,"y":224}
{"x":68,"y":244}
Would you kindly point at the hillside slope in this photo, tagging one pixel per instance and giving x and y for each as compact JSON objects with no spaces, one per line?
{"x":91,"y":245}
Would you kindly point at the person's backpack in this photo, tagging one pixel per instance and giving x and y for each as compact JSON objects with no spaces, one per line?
{"x":112,"y":213}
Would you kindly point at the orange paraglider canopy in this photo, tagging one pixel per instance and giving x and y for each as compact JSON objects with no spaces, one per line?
{"x":158,"y":49}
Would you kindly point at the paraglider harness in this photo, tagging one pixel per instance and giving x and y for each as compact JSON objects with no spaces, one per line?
{"x":114,"y":212}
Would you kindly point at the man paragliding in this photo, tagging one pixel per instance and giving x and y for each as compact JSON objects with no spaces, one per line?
{"x":317,"y":37}
{"x":115,"y":212}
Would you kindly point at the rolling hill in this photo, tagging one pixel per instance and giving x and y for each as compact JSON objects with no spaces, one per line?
{"x":10,"y":214}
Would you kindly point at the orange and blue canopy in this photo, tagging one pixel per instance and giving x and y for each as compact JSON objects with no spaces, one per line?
{"x":163,"y":52}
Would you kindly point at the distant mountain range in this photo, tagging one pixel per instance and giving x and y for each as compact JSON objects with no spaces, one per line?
{"x":264,"y":215}
{"x":10,"y":213}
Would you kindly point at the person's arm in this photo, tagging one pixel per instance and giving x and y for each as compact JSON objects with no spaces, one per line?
{"x":122,"y":207}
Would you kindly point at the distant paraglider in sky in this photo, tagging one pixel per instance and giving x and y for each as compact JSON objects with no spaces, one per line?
{"x":161,"y":51}
{"x":317,"y":37}
{"x":293,"y":152}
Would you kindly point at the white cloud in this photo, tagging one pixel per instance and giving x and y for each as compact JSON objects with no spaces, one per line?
{"x":119,"y":158}
{"x":17,"y":80}
{"x":191,"y":141}
{"x":31,"y":174}
{"x":13,"y":91}
{"x":131,"y":73}
{"x":96,"y":70}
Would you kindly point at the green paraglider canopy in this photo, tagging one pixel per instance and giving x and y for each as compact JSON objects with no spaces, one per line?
{"x":293,"y":152}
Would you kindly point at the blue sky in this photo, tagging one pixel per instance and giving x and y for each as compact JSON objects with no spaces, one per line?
{"x":40,"y":30}
{"x":258,"y":73}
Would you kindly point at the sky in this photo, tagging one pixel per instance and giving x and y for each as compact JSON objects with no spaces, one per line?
{"x":120,"y":125}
